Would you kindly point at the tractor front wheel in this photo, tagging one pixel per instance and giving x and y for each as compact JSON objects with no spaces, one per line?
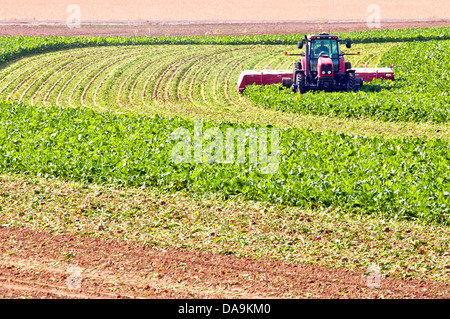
{"x":348,"y":66}
{"x":300,"y":81}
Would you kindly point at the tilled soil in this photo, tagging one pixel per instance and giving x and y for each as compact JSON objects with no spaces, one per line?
{"x":212,"y":29}
{"x":36,"y":264}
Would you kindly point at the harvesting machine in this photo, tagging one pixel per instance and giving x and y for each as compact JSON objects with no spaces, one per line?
{"x":321,"y":67}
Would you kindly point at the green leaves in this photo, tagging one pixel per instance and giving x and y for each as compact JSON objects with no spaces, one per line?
{"x":402,"y":178}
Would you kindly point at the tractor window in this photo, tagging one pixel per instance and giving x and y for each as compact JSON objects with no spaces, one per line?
{"x":330,"y":48}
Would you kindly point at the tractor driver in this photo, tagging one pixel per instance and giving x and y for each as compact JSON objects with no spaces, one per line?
{"x":322,"y":48}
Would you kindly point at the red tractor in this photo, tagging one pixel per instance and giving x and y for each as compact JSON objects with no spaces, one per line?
{"x":321,"y":67}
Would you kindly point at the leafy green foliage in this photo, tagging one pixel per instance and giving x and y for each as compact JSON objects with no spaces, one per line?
{"x":419,"y":94}
{"x":398,"y":35}
{"x":402,"y":178}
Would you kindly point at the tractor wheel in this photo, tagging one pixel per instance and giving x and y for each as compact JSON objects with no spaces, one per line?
{"x":351,"y":82}
{"x":348,"y":65}
{"x":300,"y":81}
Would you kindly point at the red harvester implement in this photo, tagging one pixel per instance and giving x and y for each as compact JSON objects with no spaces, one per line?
{"x":321,"y":67}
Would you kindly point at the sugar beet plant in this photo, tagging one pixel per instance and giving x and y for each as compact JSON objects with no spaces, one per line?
{"x":400,"y":178}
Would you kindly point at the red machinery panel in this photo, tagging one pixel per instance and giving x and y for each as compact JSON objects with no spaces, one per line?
{"x":369,"y":74}
{"x":266,"y":77}
{"x":262,"y":77}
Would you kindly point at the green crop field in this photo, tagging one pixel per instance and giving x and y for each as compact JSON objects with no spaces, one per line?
{"x":100,"y":111}
{"x":148,"y":79}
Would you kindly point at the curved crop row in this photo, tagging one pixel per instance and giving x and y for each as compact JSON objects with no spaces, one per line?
{"x":76,"y":78}
{"x":398,"y":178}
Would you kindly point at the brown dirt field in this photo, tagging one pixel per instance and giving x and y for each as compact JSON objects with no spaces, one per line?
{"x":212,"y":29}
{"x":35,"y":264}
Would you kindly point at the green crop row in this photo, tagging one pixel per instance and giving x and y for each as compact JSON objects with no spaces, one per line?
{"x":14,"y":47}
{"x":399,"y":178}
{"x":420,"y":92}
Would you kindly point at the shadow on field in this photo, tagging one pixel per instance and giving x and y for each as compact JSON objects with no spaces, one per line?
{"x":401,"y":39}
{"x":379,"y":87}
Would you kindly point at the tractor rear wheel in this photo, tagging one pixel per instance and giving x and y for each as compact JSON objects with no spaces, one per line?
{"x":300,"y":81}
{"x":351,"y":82}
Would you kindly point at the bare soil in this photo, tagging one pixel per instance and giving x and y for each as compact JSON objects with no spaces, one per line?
{"x":36,"y":264}
{"x":197,"y":29}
